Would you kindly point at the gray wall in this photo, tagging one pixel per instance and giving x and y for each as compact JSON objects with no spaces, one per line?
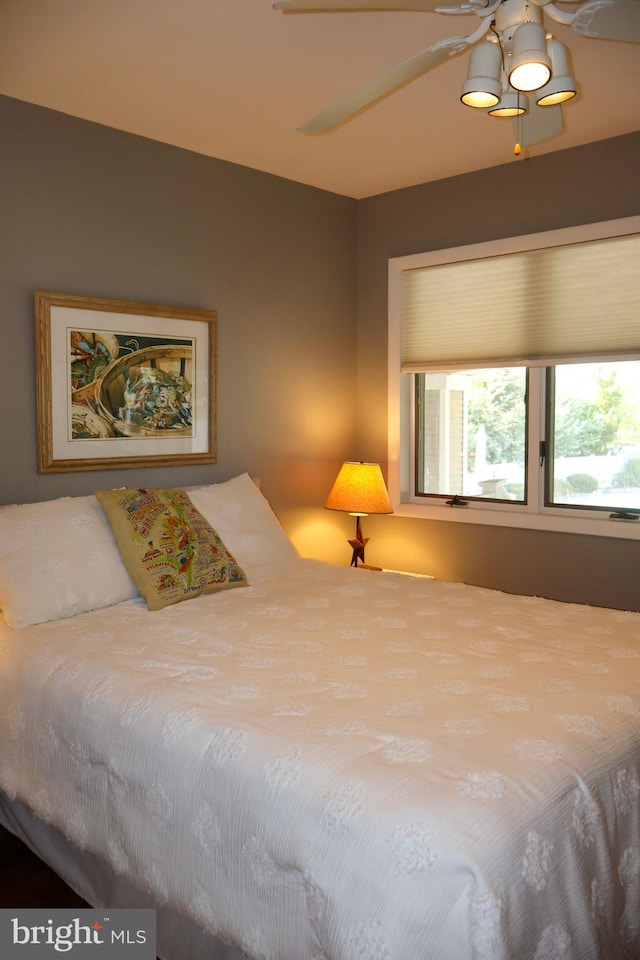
{"x":94,"y":211}
{"x":582,"y":185}
{"x":298,"y":277}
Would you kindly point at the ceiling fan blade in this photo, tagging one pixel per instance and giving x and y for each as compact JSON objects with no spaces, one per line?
{"x":385,"y":84}
{"x":347,"y":6}
{"x":540,"y":123}
{"x":612,"y":20}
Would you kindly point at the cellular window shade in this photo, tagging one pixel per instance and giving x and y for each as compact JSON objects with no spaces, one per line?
{"x":531,"y":307}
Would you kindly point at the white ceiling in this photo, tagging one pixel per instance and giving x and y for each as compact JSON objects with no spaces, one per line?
{"x":233,"y":78}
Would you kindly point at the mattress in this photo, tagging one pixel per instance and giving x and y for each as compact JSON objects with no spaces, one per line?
{"x":345,"y":764}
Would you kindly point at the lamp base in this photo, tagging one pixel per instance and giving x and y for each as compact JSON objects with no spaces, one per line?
{"x":358,"y":544}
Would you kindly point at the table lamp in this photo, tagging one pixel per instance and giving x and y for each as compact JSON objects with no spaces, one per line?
{"x":359,"y":489}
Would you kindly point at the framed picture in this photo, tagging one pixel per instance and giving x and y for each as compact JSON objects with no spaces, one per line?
{"x":123,"y":384}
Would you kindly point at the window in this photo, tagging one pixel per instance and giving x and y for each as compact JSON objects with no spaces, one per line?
{"x":471,"y":433}
{"x":593,"y":430}
{"x":514,"y":381}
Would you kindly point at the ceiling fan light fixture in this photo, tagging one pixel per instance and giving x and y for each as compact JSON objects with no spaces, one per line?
{"x":482,"y":88}
{"x":561,"y":86}
{"x":530,"y":66}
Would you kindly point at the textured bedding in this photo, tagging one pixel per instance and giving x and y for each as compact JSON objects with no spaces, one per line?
{"x":344,"y":764}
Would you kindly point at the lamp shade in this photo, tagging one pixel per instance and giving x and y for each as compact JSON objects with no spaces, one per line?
{"x":359,"y":489}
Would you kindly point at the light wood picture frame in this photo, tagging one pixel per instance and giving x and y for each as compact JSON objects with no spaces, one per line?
{"x":122,"y":384}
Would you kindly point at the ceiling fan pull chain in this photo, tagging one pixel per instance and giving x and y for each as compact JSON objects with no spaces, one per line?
{"x":517,"y":149}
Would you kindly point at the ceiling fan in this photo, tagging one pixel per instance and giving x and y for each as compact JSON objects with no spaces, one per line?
{"x":516,"y":68}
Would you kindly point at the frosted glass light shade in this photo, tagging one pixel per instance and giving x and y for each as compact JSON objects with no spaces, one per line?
{"x":561,"y":86}
{"x":482,"y":87}
{"x":512,"y":103}
{"x":530,"y":66}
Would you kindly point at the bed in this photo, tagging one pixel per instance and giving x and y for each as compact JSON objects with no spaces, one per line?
{"x":330,"y":762}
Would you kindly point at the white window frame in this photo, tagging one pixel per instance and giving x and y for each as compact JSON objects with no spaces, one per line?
{"x":534,"y":514}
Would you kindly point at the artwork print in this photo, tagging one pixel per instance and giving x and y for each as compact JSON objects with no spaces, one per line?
{"x":123,"y":384}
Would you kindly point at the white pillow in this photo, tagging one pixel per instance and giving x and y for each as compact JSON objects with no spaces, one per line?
{"x":58,"y":558}
{"x":247,"y":525}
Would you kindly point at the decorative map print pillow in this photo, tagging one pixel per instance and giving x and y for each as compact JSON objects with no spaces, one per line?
{"x":171,"y":552}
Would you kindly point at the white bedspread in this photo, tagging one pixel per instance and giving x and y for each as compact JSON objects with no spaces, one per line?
{"x":347,"y":764}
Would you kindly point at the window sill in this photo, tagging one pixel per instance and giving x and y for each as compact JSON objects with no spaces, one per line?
{"x":551,"y":521}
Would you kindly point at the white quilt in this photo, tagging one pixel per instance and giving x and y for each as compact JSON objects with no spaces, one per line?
{"x":345,"y":764}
